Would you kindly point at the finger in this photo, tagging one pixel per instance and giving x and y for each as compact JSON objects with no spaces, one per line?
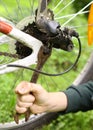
{"x":27,"y":87}
{"x":23,"y":88}
{"x":36,"y":89}
{"x":26,"y":98}
{"x":24,"y":104}
{"x":20,"y":110}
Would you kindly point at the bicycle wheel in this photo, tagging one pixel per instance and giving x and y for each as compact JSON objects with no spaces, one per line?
{"x":23,"y":9}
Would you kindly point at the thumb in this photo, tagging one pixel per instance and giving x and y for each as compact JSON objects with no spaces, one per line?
{"x":23,"y":88}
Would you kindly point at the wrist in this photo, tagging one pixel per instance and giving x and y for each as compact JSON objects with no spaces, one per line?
{"x":57,"y":102}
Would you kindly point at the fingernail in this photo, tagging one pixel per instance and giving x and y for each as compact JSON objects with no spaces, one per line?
{"x":21,"y":90}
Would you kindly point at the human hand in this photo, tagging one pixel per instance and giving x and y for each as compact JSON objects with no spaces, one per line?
{"x":31,"y":95}
{"x":35,"y":97}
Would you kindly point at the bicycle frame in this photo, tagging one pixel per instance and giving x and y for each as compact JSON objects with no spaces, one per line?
{"x":11,"y":31}
{"x":25,"y":39}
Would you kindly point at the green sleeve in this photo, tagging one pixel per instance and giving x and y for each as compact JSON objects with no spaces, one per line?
{"x":80,"y":98}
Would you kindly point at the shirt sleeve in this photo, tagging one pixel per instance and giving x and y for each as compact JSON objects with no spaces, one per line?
{"x":80,"y":98}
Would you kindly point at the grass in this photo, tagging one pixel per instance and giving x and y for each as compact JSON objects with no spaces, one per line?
{"x":9,"y":81}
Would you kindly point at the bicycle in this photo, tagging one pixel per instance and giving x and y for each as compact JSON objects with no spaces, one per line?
{"x":34,"y":120}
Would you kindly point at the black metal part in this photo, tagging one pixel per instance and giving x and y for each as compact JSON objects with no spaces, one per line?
{"x":55,"y":37}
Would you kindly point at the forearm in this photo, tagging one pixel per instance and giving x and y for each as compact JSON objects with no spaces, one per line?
{"x":79,"y":98}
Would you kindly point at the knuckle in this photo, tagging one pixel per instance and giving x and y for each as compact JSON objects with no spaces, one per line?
{"x":20,"y":109}
{"x":22,"y":98}
{"x":27,"y":98}
{"x":19,"y":103}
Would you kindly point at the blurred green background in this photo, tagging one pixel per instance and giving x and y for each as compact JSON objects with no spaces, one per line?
{"x":78,"y":121}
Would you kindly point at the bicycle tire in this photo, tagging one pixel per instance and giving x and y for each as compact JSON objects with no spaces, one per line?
{"x":45,"y":118}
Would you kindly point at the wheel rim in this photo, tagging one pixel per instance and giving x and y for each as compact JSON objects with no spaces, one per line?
{"x":57,"y":67}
